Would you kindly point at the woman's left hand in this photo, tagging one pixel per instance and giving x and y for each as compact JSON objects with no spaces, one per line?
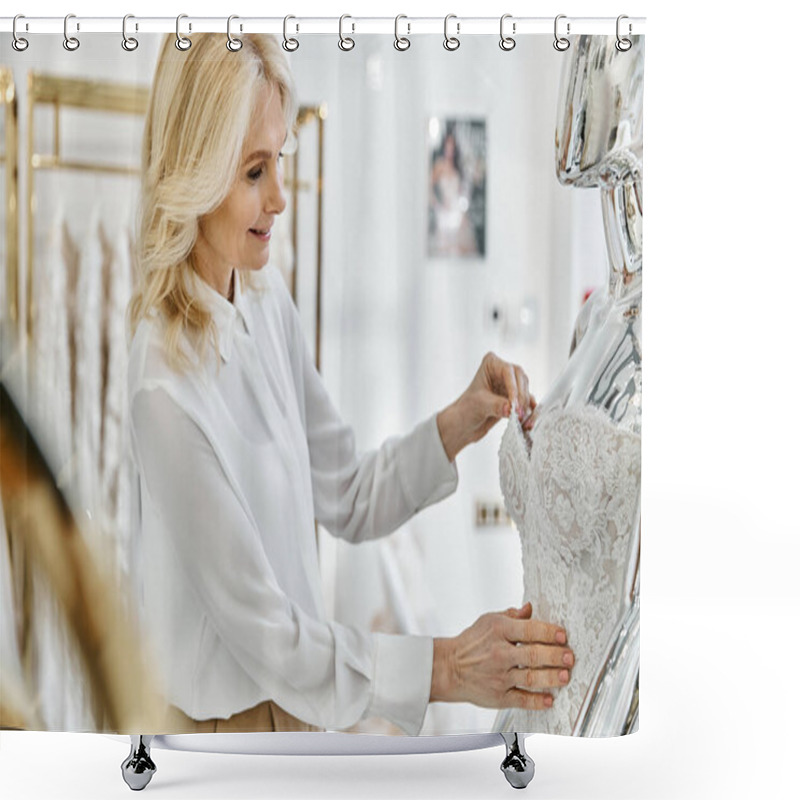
{"x":497,"y":388}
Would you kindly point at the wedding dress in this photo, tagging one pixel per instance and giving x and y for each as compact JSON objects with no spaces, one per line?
{"x":572,"y":488}
{"x":573,"y":485}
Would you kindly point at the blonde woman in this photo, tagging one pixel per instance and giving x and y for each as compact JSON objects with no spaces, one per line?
{"x":238,"y":447}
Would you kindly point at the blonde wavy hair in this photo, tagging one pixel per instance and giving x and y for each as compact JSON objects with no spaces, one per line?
{"x":198,"y":116}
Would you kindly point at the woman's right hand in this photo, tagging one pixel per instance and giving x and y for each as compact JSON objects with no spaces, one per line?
{"x":503,"y":660}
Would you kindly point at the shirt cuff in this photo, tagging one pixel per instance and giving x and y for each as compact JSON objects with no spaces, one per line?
{"x":427,"y":474}
{"x":401,"y":679}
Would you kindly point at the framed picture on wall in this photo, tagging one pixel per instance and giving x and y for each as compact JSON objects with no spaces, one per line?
{"x":457,"y":188}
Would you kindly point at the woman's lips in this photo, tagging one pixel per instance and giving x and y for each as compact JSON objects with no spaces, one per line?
{"x":263,"y":236}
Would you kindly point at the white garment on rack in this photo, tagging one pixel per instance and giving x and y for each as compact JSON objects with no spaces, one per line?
{"x":87,"y":321}
{"x":572,"y":488}
{"x":50,"y":410}
{"x":236,"y":462}
{"x":56,"y":670}
{"x":115,"y":459}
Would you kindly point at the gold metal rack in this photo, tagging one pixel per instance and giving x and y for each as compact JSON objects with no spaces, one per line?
{"x":61,"y":93}
{"x":120,"y":98}
{"x":9,"y":159}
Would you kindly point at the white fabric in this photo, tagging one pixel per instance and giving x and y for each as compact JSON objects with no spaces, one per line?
{"x":115,"y":462}
{"x":56,"y":669}
{"x":87,"y":402}
{"x":51,"y":393}
{"x":572,"y":489}
{"x":236,"y":461}
{"x":12,"y":689}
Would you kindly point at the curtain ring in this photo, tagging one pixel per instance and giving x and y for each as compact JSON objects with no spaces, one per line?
{"x":507,"y":42}
{"x":234,"y":45}
{"x":401,"y":42}
{"x":128,"y":42}
{"x":451,"y":42}
{"x":18,"y":42}
{"x":181,"y":42}
{"x":345,"y":42}
{"x":70,"y":42}
{"x":289,"y":44}
{"x":623,"y":43}
{"x":561,"y":43}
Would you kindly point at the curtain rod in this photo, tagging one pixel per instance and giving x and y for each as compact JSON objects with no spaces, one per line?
{"x":350,"y":25}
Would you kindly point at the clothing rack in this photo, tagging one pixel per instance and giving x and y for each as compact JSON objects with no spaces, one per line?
{"x":60,"y":92}
{"x":120,"y":98}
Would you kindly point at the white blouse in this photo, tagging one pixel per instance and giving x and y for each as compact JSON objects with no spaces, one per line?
{"x":235,"y":461}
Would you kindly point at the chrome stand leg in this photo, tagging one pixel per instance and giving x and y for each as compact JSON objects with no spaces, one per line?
{"x":518,"y":766}
{"x":138,"y":768}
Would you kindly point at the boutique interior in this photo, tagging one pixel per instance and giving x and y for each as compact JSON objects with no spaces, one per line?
{"x":397,"y":318}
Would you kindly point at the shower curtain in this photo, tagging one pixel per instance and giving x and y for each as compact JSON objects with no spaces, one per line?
{"x":430,"y":218}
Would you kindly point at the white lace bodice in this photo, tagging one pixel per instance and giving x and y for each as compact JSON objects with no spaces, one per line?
{"x":572,"y":488}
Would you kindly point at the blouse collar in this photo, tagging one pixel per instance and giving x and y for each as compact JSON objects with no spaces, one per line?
{"x":226,"y":315}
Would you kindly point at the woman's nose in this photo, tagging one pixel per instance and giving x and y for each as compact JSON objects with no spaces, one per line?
{"x":274,"y":197}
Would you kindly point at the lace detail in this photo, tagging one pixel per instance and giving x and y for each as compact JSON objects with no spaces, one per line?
{"x":573,"y":491}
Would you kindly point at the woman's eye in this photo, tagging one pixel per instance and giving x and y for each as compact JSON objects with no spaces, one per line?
{"x":255,"y":174}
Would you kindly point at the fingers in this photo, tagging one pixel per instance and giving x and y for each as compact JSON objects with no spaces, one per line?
{"x":500,"y":378}
{"x":530,"y":631}
{"x":520,"y":613}
{"x":501,"y":406}
{"x":533,"y":701}
{"x":536,"y":656}
{"x":527,"y":401}
{"x":534,"y":679}
{"x":511,"y":380}
{"x":523,"y":399}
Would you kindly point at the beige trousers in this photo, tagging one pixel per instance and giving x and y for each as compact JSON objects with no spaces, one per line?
{"x":266,"y":716}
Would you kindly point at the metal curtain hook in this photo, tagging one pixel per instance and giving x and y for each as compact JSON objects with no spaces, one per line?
{"x":289,"y":44}
{"x":181,"y":42}
{"x":507,"y":42}
{"x":451,"y":42}
{"x":70,"y":42}
{"x":401,"y":42}
{"x":561,"y":43}
{"x":345,"y":42}
{"x":128,"y":42}
{"x":623,"y":43}
{"x":18,"y":42}
{"x":234,"y":45}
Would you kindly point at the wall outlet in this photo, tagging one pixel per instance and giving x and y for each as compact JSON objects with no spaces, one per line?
{"x":491,"y":513}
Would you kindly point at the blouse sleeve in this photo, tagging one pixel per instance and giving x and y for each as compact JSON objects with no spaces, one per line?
{"x":361,"y":496}
{"x":325,"y":673}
